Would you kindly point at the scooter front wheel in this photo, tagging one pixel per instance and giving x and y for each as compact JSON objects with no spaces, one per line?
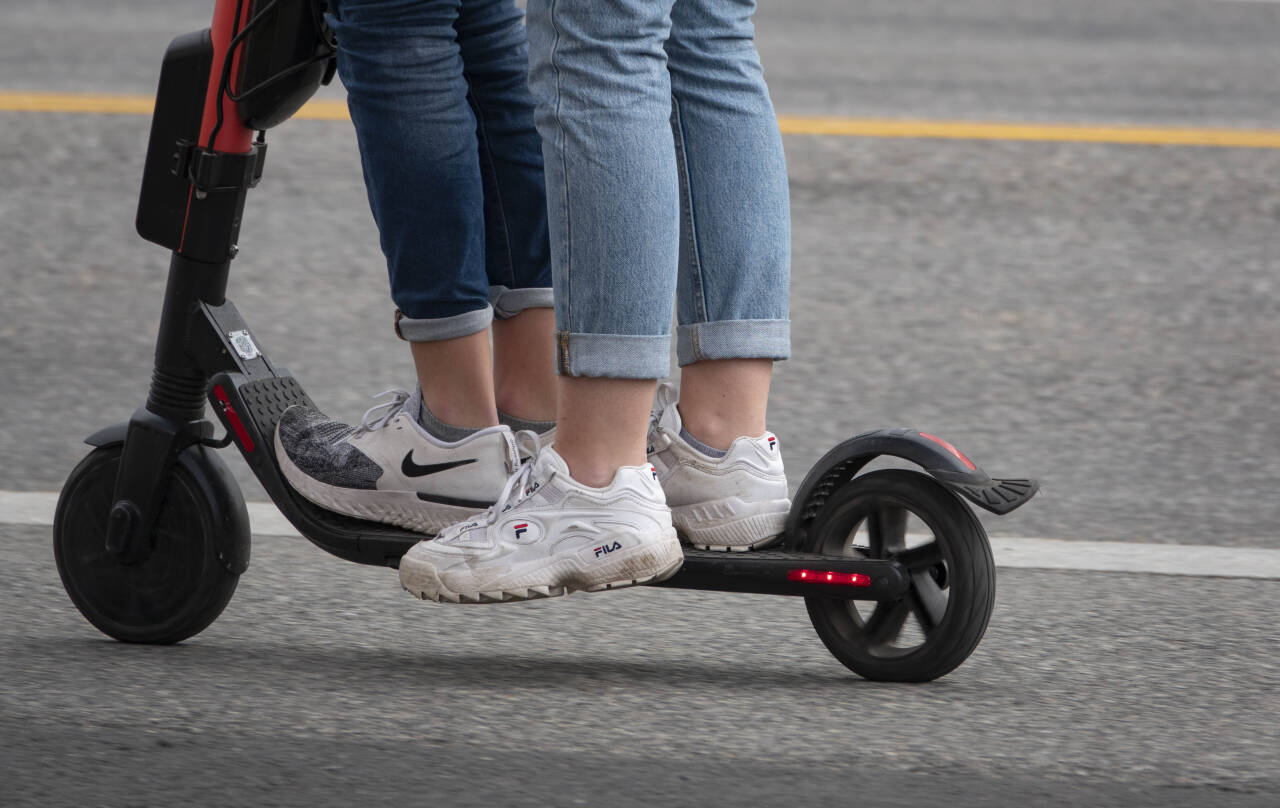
{"x":185,"y":579}
{"x":910,"y":518}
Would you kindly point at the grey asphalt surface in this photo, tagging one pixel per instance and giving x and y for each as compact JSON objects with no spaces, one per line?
{"x":1102,"y":317}
{"x":323,"y":683}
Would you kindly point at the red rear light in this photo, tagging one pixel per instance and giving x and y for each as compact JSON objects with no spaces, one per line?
{"x":827,"y":577}
{"x":233,"y":418}
{"x":953,"y":450}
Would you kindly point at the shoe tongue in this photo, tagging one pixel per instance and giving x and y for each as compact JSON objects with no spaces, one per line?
{"x":550,"y":461}
{"x":670,"y":419}
{"x":413,"y":405}
{"x":513,"y":450}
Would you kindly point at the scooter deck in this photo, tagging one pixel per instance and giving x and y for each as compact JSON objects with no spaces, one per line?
{"x":251,"y":408}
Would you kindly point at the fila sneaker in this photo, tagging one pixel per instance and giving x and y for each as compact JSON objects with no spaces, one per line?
{"x":389,"y":469}
{"x":735,"y":502}
{"x":549,"y":535}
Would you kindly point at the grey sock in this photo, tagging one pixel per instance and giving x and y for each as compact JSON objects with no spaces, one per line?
{"x":700,"y":446}
{"x":517,"y":424}
{"x":445,"y":432}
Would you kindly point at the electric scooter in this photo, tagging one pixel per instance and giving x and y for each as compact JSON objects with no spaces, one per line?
{"x":151,"y":532}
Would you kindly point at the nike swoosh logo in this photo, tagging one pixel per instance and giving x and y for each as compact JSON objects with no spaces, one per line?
{"x":478,"y":504}
{"x":412,"y":469}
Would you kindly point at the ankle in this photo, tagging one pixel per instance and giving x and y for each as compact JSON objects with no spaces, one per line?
{"x":722,"y":400}
{"x":456,"y":379}
{"x":709,"y":451}
{"x":517,"y":424}
{"x":591,"y":468}
{"x":715,"y":430}
{"x":527,"y":402}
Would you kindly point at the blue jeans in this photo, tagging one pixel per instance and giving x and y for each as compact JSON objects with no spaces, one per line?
{"x":666,"y":182}
{"x":452,"y":162}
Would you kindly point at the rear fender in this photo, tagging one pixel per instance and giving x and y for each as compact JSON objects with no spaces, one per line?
{"x":936,"y":456}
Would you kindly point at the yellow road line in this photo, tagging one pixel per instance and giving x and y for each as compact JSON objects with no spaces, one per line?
{"x":77,"y":102}
{"x":329,"y":110}
{"x":973,"y":130}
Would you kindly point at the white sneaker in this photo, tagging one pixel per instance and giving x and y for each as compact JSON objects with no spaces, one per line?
{"x":735,"y":502}
{"x":389,"y":469}
{"x":549,"y":535}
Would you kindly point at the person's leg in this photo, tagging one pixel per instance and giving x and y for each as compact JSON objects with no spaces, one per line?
{"x":402,"y":67}
{"x":735,"y":221}
{"x":456,"y":379}
{"x":589,"y":513}
{"x":495,"y":65}
{"x":723,"y":399}
{"x":604,"y":105}
{"x":721,"y":470}
{"x":524,"y":367}
{"x":417,"y":461}
{"x":602,"y":425}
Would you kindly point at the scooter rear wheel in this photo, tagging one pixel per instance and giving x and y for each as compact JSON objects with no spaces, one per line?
{"x":182,"y":585}
{"x":911,"y":518}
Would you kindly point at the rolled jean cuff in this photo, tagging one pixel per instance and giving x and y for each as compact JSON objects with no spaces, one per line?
{"x":613,"y":356}
{"x":435,"y":329}
{"x":733,"y":339}
{"x":509,"y":302}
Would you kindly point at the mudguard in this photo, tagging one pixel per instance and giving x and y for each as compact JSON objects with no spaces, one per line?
{"x":219,"y":488}
{"x":108,"y":435}
{"x":936,"y":456}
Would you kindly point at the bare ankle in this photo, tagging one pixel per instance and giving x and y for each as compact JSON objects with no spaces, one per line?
{"x":524,"y":365}
{"x":525,"y":402}
{"x":587,"y":470}
{"x":602,"y":426}
{"x":722,"y":400}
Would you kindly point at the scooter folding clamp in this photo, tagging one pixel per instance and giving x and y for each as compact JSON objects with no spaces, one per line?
{"x":217,"y":172}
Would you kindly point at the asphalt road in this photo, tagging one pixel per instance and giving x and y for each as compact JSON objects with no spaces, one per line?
{"x":322,"y":683}
{"x":1102,"y":317}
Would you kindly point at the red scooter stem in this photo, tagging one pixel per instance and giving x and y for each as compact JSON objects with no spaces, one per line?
{"x":230,"y":135}
{"x":233,"y":136}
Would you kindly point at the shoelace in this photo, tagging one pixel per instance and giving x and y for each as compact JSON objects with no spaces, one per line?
{"x":665,"y":397}
{"x":517,"y":487}
{"x":370,"y":422}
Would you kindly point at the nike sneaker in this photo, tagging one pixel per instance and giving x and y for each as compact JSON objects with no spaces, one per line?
{"x":390,"y":469}
{"x":735,"y":501}
{"x":549,"y":535}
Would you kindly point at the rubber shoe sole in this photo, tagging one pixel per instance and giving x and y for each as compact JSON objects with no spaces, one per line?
{"x":423,"y":581}
{"x":731,"y":525}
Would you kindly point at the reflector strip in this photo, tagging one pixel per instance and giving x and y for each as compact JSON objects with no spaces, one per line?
{"x":827,"y":577}
{"x":233,"y":418}
{"x":969,"y":463}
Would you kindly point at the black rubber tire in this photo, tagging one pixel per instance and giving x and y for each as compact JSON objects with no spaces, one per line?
{"x":180,"y":588}
{"x":957,"y":564}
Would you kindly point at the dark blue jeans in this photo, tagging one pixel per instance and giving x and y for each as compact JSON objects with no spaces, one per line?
{"x":452,"y":162}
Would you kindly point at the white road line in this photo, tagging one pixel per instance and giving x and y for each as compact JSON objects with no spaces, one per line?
{"x":37,"y":507}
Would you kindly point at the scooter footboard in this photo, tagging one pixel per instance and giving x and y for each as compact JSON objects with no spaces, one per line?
{"x":250,"y":410}
{"x":780,"y":573}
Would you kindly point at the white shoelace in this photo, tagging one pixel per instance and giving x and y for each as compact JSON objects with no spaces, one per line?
{"x":390,"y":409}
{"x":517,"y":487}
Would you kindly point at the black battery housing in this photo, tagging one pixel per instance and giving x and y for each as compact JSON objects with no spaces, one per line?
{"x":288,"y":52}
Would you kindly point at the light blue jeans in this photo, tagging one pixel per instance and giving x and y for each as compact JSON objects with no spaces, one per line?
{"x":666,"y":182}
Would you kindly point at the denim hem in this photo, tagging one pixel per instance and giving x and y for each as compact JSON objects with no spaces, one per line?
{"x":508,"y":302}
{"x":614,"y":356}
{"x":733,"y":339}
{"x":440,"y":328}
